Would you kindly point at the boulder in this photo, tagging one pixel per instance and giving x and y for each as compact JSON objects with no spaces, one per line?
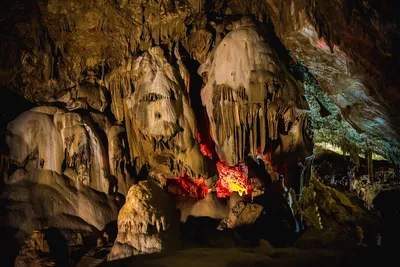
{"x":241,"y":214}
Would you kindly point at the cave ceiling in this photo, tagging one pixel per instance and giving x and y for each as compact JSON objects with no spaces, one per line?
{"x":347,"y":47}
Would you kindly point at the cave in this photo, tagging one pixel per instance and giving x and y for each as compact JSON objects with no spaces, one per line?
{"x":203,"y":133}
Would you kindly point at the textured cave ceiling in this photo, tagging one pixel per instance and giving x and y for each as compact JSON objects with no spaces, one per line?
{"x":342,"y":50}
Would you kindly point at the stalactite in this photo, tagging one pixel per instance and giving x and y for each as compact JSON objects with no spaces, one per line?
{"x":251,"y":142}
{"x":370,"y":162}
{"x":102,"y":70}
{"x":255,"y":130}
{"x":263,"y":129}
{"x":52,"y":68}
{"x":119,"y":84}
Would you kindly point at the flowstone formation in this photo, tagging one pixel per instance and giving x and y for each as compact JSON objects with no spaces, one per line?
{"x":68,"y":143}
{"x":255,"y":107}
{"x":42,"y":198}
{"x":247,"y":93}
{"x":160,"y":123}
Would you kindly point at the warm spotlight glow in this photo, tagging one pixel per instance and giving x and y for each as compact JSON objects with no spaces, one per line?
{"x":203,"y":147}
{"x":193,"y":187}
{"x":232,"y":179}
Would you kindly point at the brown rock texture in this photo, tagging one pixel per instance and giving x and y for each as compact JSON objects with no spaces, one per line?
{"x":44,"y":248}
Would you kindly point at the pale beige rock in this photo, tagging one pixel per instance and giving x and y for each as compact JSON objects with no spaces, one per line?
{"x":35,"y":134}
{"x":210,"y":206}
{"x":241,"y":73}
{"x":46,"y":199}
{"x":147,"y":223}
{"x":47,"y":137}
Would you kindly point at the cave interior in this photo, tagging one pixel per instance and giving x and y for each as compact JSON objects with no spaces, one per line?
{"x":203,"y":133}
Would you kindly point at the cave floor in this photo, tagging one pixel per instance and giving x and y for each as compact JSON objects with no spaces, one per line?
{"x":208,"y":257}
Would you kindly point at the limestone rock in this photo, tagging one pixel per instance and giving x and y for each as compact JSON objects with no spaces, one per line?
{"x":160,"y":123}
{"x":335,"y":218}
{"x":70,"y":143}
{"x":247,"y":92}
{"x":147,"y":223}
{"x":241,"y":214}
{"x":209,"y":206}
{"x":46,"y":199}
{"x":44,"y":248}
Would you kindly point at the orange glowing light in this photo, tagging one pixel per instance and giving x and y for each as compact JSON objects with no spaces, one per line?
{"x":267,"y":158}
{"x":322,"y":44}
{"x":193,"y":187}
{"x":203,"y":148}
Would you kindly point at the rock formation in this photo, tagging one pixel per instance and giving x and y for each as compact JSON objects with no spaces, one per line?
{"x":241,"y":214}
{"x":325,"y":208}
{"x":42,"y":198}
{"x":159,"y":120}
{"x":247,"y":92}
{"x":65,"y":142}
{"x":147,"y":223}
{"x":44,"y":248}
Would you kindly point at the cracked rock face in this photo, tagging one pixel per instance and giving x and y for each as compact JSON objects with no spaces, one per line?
{"x":247,"y":93}
{"x":147,"y":223}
